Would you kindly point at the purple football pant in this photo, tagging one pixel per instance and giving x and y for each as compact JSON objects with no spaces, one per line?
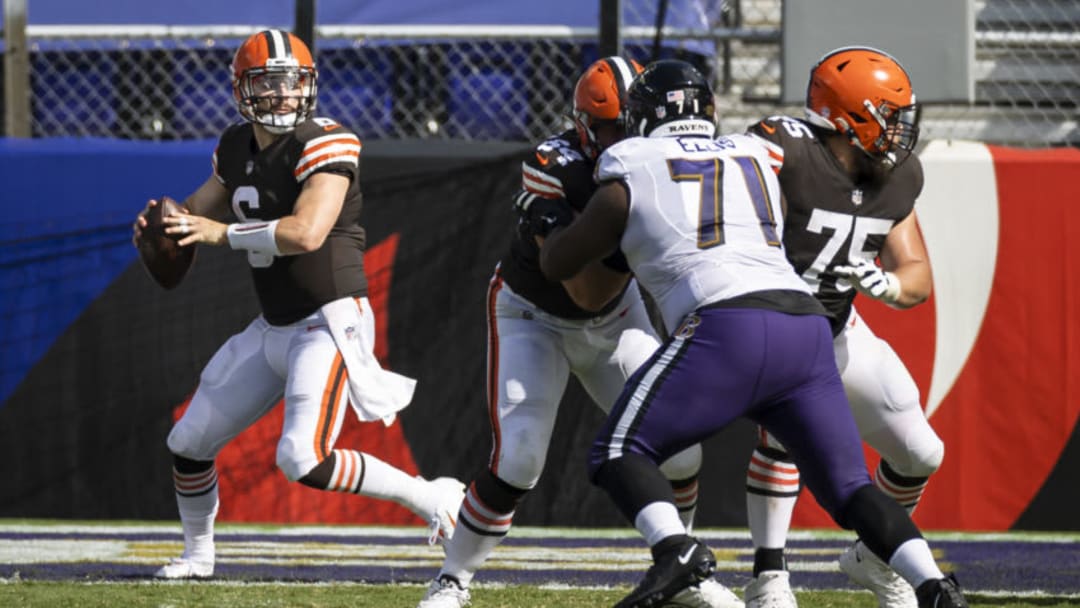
{"x":721,"y":363}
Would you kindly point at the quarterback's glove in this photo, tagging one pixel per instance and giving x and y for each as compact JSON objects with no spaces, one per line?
{"x":870,"y":280}
{"x":539,"y":216}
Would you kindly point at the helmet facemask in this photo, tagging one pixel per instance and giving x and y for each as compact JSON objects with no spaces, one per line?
{"x":261,"y":93}
{"x":899,"y":131}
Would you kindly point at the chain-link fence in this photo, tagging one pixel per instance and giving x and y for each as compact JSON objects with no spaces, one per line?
{"x":514,"y":83}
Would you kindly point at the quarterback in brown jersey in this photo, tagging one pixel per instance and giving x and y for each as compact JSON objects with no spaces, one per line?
{"x":851,"y":178}
{"x":285,"y":190}
{"x":594,"y":326}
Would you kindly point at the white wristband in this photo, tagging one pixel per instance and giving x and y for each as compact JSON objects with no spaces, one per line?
{"x":254,"y":236}
{"x":893,"y":289}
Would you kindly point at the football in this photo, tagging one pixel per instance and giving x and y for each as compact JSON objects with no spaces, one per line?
{"x":165,"y":260}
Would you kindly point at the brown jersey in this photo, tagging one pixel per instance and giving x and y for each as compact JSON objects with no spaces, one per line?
{"x":830,"y":218}
{"x":264,"y":185}
{"x":557,"y":169}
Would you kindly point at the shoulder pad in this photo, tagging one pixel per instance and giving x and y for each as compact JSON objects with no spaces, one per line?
{"x":558,"y":151}
{"x":558,"y":169}
{"x":326,"y":144}
{"x":780,"y":129}
{"x":318,"y":127}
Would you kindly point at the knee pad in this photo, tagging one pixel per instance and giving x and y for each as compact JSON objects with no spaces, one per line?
{"x":926,"y":458}
{"x":184,"y":442}
{"x":521,"y":467}
{"x":293,"y":460}
{"x":909,"y":444}
{"x":921,"y":459}
{"x":684,"y":465}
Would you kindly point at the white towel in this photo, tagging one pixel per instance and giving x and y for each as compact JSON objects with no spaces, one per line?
{"x":375,"y":393}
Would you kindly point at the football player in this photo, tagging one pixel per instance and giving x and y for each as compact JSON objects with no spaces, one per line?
{"x":285,"y":190}
{"x":850,"y":178}
{"x":594,"y":326}
{"x":699,"y":220}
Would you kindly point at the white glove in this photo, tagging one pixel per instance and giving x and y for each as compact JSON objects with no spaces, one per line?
{"x":870,"y":280}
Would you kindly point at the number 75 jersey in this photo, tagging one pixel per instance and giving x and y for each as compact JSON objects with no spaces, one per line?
{"x":830,"y":219}
{"x":705,"y":222}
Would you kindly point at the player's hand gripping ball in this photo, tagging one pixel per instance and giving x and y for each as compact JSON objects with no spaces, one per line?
{"x":165,"y":260}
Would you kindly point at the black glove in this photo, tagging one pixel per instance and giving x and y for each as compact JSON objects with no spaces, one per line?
{"x":539,"y":216}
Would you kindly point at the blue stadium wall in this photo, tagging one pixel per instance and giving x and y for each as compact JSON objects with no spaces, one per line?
{"x":94,"y":358}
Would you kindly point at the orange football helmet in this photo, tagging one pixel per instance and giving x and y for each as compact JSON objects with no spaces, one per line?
{"x":270,"y":68}
{"x":865,"y":94}
{"x":599,"y":96}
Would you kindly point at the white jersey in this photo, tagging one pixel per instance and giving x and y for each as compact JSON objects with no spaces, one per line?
{"x":705,"y":221}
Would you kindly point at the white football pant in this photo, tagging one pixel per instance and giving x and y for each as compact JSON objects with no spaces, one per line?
{"x":252,"y":371}
{"x":530,"y":356}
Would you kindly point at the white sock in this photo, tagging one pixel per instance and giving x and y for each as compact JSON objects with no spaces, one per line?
{"x":772,"y":487}
{"x":387,"y":482}
{"x":468,"y":550}
{"x":769,"y":518}
{"x":197,"y":501}
{"x":657,"y":521}
{"x":915,"y":563}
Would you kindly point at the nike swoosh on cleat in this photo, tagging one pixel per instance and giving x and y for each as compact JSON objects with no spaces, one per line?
{"x":685,"y":557}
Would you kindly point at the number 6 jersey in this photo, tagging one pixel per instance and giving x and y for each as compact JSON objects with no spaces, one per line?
{"x":831,"y":219}
{"x":704,"y":223}
{"x":264,"y":185}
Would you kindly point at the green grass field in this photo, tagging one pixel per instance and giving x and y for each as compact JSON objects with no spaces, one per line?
{"x":273,"y":595}
{"x":67,"y":564}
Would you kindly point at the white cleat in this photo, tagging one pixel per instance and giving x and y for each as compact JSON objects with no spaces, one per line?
{"x":867,"y":570}
{"x":450,"y":493}
{"x":770,"y":589}
{"x":708,"y":594}
{"x":184,"y":568}
{"x":445,"y":592}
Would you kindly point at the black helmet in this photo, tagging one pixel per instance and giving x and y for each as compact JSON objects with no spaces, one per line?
{"x":670,"y":94}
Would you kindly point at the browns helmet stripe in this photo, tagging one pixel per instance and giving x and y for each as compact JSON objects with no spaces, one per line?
{"x":624,"y":75}
{"x":286,"y":43}
{"x":277,"y":46}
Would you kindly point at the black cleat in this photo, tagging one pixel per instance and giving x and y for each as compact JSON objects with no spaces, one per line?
{"x":941,"y":593}
{"x":683,"y":562}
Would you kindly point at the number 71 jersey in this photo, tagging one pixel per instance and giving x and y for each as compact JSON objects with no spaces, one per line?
{"x":705,"y":222}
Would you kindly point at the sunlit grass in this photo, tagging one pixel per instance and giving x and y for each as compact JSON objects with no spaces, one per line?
{"x":224,"y":594}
